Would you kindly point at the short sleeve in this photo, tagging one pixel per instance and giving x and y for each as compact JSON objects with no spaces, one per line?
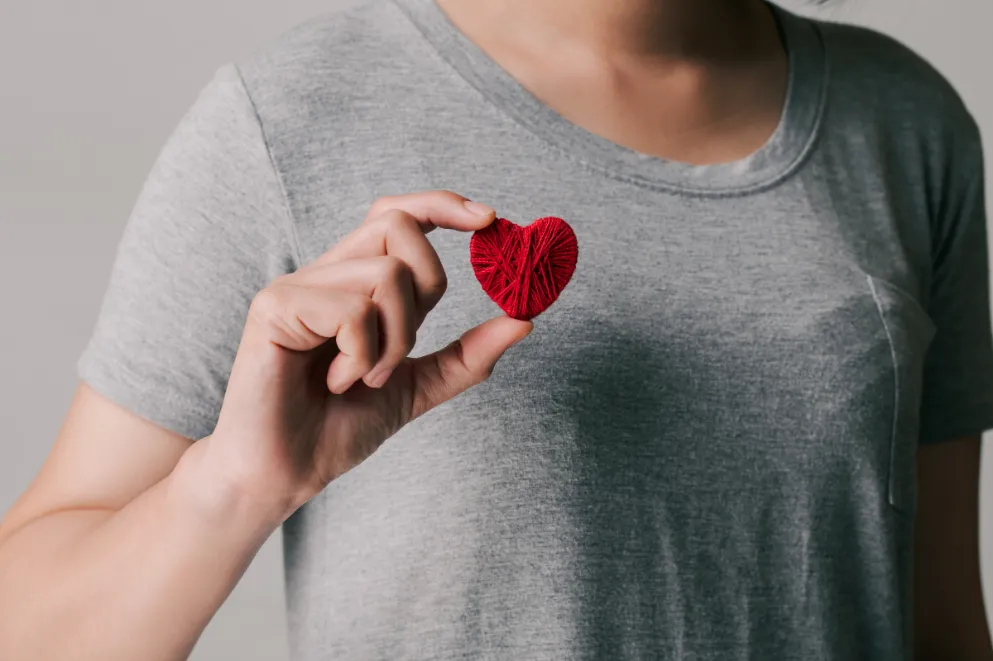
{"x":957,"y":393}
{"x":209,"y":229}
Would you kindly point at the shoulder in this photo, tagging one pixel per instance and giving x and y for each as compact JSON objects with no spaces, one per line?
{"x":349,"y":53}
{"x":875,"y":73}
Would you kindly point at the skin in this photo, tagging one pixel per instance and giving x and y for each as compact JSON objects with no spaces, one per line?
{"x":131,"y":536}
{"x":697,"y":81}
{"x":949,"y":615}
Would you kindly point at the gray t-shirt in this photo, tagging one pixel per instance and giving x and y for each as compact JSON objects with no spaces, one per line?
{"x":706,"y":450}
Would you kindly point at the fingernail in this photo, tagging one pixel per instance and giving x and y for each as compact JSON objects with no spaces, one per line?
{"x":379,"y":377}
{"x":478,"y":209}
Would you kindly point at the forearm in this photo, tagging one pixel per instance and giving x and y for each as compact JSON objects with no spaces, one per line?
{"x":138,"y":583}
{"x":950,"y":619}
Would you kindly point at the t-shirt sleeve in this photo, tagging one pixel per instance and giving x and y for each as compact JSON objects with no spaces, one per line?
{"x":210,"y":228}
{"x":957,"y":394}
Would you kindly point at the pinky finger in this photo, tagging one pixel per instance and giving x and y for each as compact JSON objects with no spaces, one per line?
{"x":358,"y":346}
{"x":302,"y":318}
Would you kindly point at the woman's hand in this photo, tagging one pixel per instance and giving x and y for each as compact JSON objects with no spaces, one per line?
{"x":322,"y":377}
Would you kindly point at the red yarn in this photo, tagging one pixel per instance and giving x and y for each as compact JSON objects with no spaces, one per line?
{"x":524,"y":269}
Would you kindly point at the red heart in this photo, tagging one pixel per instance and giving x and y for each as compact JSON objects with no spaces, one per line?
{"x":524,"y":269}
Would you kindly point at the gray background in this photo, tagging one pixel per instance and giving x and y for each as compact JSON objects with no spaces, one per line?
{"x":89,"y":92}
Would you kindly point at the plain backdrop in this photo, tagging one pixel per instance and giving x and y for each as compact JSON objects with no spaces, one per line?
{"x":88,"y":93}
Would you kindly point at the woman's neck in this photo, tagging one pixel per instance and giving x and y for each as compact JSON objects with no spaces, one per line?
{"x":700,"y":81}
{"x":661,"y":30}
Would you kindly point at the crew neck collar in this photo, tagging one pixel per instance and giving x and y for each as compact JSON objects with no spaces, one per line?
{"x":772,"y":162}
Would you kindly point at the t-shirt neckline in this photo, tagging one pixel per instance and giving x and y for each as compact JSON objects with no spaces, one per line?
{"x":776,"y":159}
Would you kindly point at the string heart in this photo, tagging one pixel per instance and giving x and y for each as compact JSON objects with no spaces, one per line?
{"x":524,"y":269}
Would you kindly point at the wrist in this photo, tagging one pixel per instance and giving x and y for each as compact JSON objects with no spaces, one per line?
{"x":220,"y":496}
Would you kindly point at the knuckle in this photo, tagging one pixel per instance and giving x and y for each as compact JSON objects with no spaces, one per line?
{"x":382,"y":205}
{"x":397,"y":218}
{"x":458,"y":366}
{"x":393,"y":268}
{"x":437,"y":284}
{"x":267,"y":305}
{"x":431,"y":289}
{"x":364,"y":310}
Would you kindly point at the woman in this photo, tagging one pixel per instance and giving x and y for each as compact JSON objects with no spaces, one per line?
{"x":774,"y":356}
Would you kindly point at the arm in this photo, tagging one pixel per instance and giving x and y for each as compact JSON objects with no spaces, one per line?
{"x":950,"y":619}
{"x":122,"y":548}
{"x":131,"y":538}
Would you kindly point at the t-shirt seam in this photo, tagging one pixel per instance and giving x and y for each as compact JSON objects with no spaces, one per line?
{"x":891,"y":487}
{"x":787,"y":172}
{"x":945,"y":106}
{"x":289,"y":223}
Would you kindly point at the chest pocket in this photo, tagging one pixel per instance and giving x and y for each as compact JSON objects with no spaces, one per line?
{"x":910,"y":331}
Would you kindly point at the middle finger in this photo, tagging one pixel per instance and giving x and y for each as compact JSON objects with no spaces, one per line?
{"x":397,"y":234}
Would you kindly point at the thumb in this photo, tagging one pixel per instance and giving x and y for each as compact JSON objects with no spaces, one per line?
{"x":467,"y":361}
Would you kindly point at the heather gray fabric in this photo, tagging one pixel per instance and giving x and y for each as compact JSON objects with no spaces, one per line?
{"x":705,"y":450}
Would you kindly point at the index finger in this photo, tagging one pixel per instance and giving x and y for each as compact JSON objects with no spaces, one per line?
{"x":439,"y":208}
{"x":429,"y":210}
